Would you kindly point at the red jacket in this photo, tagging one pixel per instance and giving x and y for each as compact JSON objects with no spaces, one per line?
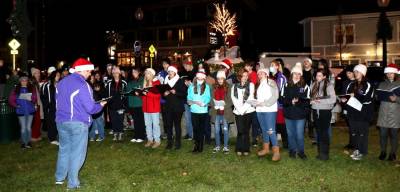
{"x":151,"y":101}
{"x":253,"y":77}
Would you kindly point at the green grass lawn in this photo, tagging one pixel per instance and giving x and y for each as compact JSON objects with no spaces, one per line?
{"x":127,"y":166}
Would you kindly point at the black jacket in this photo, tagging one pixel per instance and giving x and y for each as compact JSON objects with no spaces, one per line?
{"x":48,"y":98}
{"x":300,"y":109}
{"x":118,"y":101}
{"x":98,"y":95}
{"x":366,"y":96}
{"x":175,"y":102}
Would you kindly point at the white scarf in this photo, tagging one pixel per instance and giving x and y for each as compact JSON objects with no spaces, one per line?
{"x":171,"y":82}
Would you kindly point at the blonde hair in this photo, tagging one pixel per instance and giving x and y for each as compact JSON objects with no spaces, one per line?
{"x":146,"y":82}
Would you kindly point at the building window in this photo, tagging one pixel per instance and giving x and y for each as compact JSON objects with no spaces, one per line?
{"x":344,"y":34}
{"x":125,"y":59}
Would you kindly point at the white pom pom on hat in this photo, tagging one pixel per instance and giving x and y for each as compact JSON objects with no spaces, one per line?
{"x":297,"y":68}
{"x":221,"y":74}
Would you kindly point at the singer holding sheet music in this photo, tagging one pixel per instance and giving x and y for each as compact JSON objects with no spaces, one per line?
{"x":362,"y":91}
{"x":388,"y":117}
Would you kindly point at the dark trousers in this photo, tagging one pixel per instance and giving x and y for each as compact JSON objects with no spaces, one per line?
{"x":255,"y":127}
{"x":351,"y":142}
{"x":164,"y":118}
{"x":384,"y":134}
{"x":174,"y":120}
{"x":243,"y":123}
{"x":51,"y":126}
{"x":138,"y":122}
{"x":322,"y":119}
{"x":359,"y":134}
{"x":310,"y":125}
{"x":207,"y":129}
{"x":117,"y":121}
{"x":198,"y":123}
{"x":281,"y":128}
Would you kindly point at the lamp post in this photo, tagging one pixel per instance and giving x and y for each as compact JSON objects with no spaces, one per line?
{"x":137,"y":45}
{"x":384,"y":29}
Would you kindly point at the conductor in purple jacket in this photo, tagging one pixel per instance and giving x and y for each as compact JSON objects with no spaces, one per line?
{"x":74,"y":107}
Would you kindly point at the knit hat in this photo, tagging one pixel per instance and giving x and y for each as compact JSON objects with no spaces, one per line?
{"x":81,"y":64}
{"x":34,"y":70}
{"x":265,"y":70}
{"x":51,"y":69}
{"x":23,"y":77}
{"x":201,"y":74}
{"x":308,"y":60}
{"x":297,"y":68}
{"x":151,"y":71}
{"x":391,"y":68}
{"x":173,"y":68}
{"x":221,"y":74}
{"x":361,"y":68}
{"x":226,"y":63}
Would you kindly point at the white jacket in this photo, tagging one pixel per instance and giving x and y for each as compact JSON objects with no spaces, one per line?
{"x":241,"y":107}
{"x":267,"y":95}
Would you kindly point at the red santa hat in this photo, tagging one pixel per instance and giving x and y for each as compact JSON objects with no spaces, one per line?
{"x":391,"y":68}
{"x":201,"y":74}
{"x":226,"y":63}
{"x":81,"y":64}
{"x":173,"y":68}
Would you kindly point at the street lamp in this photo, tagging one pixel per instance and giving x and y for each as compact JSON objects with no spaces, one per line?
{"x":384,"y":29}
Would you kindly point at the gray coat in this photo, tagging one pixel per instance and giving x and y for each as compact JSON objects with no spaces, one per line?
{"x":389,"y":113}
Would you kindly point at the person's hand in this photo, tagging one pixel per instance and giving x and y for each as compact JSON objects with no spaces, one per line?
{"x":103,"y":103}
{"x":166,"y":93}
{"x":393,"y":98}
{"x":173,"y":91}
{"x":344,"y":100}
{"x":351,"y":94}
{"x":144,"y":93}
{"x":295,"y":100}
{"x":136,"y":93}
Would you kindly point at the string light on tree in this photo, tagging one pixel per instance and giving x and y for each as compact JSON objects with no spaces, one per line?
{"x":224,"y":21}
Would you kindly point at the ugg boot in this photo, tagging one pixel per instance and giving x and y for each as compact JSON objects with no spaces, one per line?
{"x":276,"y":156}
{"x":264,"y":151}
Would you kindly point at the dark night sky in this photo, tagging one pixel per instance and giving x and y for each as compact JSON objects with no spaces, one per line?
{"x":77,"y":26}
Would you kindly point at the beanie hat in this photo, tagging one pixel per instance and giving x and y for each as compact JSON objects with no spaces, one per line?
{"x":308,"y":60}
{"x":391,"y":68}
{"x":34,"y":70}
{"x":81,"y":64}
{"x":226,"y":63}
{"x":221,"y":74}
{"x":151,"y":71}
{"x":201,"y":74}
{"x":361,"y":68}
{"x":265,"y":70}
{"x":51,"y":69}
{"x":297,"y":68}
{"x":173,"y":69}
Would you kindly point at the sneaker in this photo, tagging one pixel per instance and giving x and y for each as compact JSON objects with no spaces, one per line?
{"x":164,"y":137}
{"x":382,"y":156}
{"x":156,"y":145}
{"x":254,"y":144}
{"x":355,"y":153}
{"x":292,"y":155}
{"x":120,"y":137}
{"x":55,"y":143}
{"x":133,"y":140}
{"x":187,"y":137}
{"x":246,"y":153}
{"x":239,"y":153}
{"x":23,"y":146}
{"x":392,"y":157}
{"x":357,"y":157}
{"x":139,"y":140}
{"x":111,"y":132}
{"x":216,"y":149}
{"x":29,"y":145}
{"x":99,"y":139}
{"x":225,"y":150}
{"x":91,"y":139}
{"x":302,"y":155}
{"x":115,"y":137}
{"x":59,"y":182}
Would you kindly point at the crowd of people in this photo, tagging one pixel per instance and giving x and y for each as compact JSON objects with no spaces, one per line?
{"x":266,"y":105}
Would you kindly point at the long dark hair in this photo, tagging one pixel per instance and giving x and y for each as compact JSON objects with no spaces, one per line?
{"x":358,"y":85}
{"x":52,"y":77}
{"x":315,"y":89}
{"x":203,"y":86}
{"x":29,"y":86}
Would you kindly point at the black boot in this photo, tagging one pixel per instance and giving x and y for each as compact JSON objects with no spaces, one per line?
{"x":177,"y":144}
{"x":382,"y":156}
{"x":392,"y":157}
{"x":195,"y":147}
{"x":201,"y":144}
{"x":169,"y":144}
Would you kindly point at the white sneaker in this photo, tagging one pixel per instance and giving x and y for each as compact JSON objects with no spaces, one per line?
{"x":99,"y":139}
{"x":111,"y":132}
{"x":139,"y":140}
{"x":55,"y":143}
{"x":91,"y":139}
{"x":358,"y":157}
{"x":115,"y":137}
{"x":133,"y":140}
{"x":59,"y":182}
{"x":355,"y":154}
{"x":216,"y":149}
{"x":225,"y":150}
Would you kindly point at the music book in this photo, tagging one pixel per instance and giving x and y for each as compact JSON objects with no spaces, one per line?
{"x":354,"y":103}
{"x":383,"y":95}
{"x":25,"y":96}
{"x":104,"y":99}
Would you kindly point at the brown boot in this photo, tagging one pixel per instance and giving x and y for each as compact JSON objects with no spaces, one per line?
{"x":264,"y":151}
{"x":276,"y":156}
{"x":148,"y":144}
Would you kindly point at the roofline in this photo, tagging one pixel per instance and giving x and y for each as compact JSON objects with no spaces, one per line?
{"x":349,"y":16}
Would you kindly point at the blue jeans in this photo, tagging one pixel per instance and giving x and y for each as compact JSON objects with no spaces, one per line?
{"x":26,"y":123}
{"x":295,"y":131}
{"x":73,"y":138}
{"x":152,"y":121}
{"x":188,"y":121}
{"x":98,"y":124}
{"x":268,"y":126}
{"x":218,"y":120}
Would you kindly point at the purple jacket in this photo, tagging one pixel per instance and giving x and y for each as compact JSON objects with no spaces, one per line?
{"x":74,"y":100}
{"x":281,"y":81}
